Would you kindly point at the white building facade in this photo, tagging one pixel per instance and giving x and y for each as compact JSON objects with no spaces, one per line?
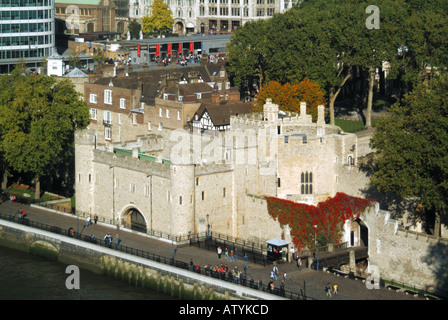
{"x":210,"y":16}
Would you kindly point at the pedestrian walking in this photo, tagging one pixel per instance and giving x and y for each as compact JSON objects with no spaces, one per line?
{"x":260,"y":284}
{"x":236,"y":254}
{"x":275,"y":271}
{"x":219,"y":252}
{"x":328,"y":290}
{"x":117,"y":240}
{"x":95,"y":218}
{"x":232,"y":255}
{"x":282,"y":288}
{"x":335,"y":289}
{"x":284,"y":276}
{"x":88,"y":222}
{"x":108,"y":239}
{"x":226,"y":253}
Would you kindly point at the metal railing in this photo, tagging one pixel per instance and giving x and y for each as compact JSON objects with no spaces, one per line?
{"x":254,"y":253}
{"x":156,"y":257}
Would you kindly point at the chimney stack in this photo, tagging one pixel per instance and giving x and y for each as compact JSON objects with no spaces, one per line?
{"x":321,"y":115}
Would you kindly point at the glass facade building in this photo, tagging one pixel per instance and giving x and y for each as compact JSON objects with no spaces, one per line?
{"x":26,"y":32}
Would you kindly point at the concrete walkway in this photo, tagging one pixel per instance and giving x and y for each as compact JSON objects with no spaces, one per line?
{"x":311,"y":282}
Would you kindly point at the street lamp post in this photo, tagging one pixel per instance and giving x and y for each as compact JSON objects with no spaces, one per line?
{"x":208,"y":228}
{"x":172,"y":251}
{"x":317,"y":248}
{"x":245,"y":268}
{"x":11,"y":198}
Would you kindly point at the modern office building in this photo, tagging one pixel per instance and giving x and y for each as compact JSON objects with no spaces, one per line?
{"x":26,"y":32}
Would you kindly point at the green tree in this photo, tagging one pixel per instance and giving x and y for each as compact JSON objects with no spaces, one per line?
{"x":38,"y":118}
{"x":99,"y":58}
{"x":74,"y":60}
{"x":247,"y":60}
{"x":313,"y":41}
{"x":134,"y":28}
{"x":161,"y":18}
{"x":375,"y":45}
{"x":424,"y":47}
{"x":412,"y":148}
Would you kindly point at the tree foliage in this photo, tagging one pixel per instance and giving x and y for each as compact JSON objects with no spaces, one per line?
{"x":134,"y":28}
{"x":327,"y":41}
{"x":289,"y":96}
{"x":247,"y":54}
{"x":412,"y":146}
{"x":38,"y":118}
{"x":161,"y":18}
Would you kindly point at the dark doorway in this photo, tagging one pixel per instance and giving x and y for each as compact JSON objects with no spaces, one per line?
{"x":135,"y":221}
{"x":363,"y":233}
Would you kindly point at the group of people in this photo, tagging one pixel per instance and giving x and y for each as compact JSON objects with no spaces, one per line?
{"x":274,"y":277}
{"x":21,"y":213}
{"x":108,"y":239}
{"x":329,"y":289}
{"x":89,"y":220}
{"x":223,"y":272}
{"x":232,"y":254}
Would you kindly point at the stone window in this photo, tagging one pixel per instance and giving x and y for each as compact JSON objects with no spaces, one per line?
{"x":306,"y":181}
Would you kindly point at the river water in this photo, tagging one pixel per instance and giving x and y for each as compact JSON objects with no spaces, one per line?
{"x":26,"y":276}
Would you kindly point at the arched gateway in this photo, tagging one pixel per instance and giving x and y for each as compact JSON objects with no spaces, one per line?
{"x":134,"y":220}
{"x":359,"y":233}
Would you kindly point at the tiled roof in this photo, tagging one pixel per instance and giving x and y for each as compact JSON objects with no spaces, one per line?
{"x":220,"y":113}
{"x":188,"y":88}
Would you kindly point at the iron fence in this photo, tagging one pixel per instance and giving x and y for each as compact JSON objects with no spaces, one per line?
{"x":228,"y":276}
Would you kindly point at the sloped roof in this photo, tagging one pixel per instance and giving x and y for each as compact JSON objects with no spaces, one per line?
{"x":188,"y":88}
{"x":76,"y":73}
{"x":151,"y":82}
{"x":220,"y":113}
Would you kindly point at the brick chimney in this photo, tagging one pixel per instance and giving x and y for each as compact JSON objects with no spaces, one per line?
{"x":215,"y":97}
{"x":234,"y":95}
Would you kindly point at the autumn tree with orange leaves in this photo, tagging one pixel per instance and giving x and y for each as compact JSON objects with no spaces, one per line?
{"x":289,"y":96}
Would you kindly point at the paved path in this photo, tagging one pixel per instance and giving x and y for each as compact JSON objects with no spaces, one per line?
{"x":310,"y":281}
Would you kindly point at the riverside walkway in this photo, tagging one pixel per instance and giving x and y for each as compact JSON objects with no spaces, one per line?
{"x":305,"y":281}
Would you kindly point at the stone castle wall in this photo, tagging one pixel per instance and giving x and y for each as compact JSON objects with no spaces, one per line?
{"x":404,"y":256}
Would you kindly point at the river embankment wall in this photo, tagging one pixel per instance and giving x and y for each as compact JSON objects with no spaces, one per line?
{"x":177,"y":282}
